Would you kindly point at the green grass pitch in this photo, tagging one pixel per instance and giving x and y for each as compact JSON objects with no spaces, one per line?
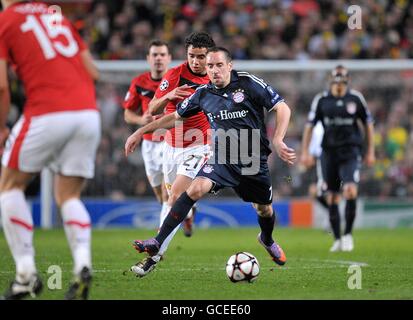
{"x":194,"y":268}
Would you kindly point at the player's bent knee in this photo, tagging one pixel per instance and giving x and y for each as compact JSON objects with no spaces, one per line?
{"x":198,"y":189}
{"x":14,"y":179}
{"x":333,"y":198}
{"x":264,"y":211}
{"x":195,"y":193}
{"x":350,"y":191}
{"x":351,"y":194}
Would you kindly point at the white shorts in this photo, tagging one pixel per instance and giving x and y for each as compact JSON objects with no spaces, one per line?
{"x":152,"y":156}
{"x":66,"y":142}
{"x":183,"y":161}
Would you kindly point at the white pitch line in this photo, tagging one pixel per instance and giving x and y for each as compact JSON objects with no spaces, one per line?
{"x":344,"y":262}
{"x":333,"y":264}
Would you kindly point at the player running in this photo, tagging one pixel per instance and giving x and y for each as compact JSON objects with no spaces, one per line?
{"x":136,"y":106}
{"x":59,"y":128}
{"x":186,"y":147}
{"x":339,"y":110}
{"x":234,"y":103}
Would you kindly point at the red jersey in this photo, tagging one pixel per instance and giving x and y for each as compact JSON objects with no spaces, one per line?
{"x":46,"y":57}
{"x":140,"y":93}
{"x":174,"y":78}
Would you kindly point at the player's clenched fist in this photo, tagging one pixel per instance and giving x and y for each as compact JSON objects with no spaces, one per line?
{"x":132,"y":142}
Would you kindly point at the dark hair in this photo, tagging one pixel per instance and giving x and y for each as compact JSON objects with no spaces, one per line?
{"x":340,"y":70}
{"x":158,"y":43}
{"x":199,"y":40}
{"x":339,"y":75}
{"x":228,"y":55}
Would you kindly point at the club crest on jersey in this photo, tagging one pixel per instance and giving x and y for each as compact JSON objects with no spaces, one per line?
{"x":164,"y":85}
{"x":184,"y":103}
{"x":238,"y":96}
{"x":351,"y":107}
{"x":207,"y":168}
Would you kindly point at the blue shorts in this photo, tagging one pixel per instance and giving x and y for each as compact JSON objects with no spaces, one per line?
{"x":250,"y":188}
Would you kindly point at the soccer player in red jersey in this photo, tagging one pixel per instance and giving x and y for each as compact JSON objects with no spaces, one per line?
{"x":136,"y":104}
{"x":59,"y":128}
{"x":186,"y":148}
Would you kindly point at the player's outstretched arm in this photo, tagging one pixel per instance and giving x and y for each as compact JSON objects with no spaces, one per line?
{"x":306,"y":159}
{"x":282,"y":120}
{"x":157,"y":105}
{"x":4,"y":103}
{"x":90,"y":66}
{"x":166,"y":122}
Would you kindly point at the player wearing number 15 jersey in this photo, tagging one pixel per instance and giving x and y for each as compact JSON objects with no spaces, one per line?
{"x":59,"y":128}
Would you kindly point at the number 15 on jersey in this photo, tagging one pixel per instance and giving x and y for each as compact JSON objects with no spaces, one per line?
{"x":47,"y":33}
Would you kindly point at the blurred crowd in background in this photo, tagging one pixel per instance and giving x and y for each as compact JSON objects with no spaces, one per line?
{"x":260,"y":29}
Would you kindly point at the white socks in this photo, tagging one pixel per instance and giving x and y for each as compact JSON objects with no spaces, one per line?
{"x":18,"y":227}
{"x":77,"y":227}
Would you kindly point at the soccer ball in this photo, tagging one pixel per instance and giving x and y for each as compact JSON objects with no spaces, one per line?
{"x":242,"y":266}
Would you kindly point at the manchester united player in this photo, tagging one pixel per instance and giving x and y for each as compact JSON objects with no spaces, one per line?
{"x":186,"y":147}
{"x":140,"y":93}
{"x":59,"y":128}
